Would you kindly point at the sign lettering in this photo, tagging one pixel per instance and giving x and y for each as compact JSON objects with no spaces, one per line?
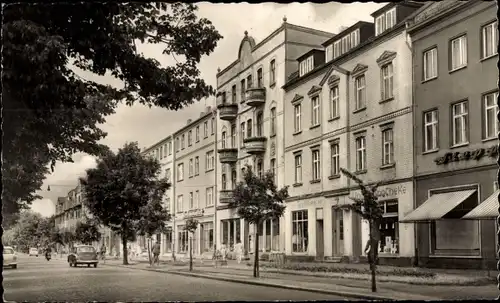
{"x":476,"y":154}
{"x":386,"y":192}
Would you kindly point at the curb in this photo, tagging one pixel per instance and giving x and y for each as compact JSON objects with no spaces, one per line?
{"x":267,"y":284}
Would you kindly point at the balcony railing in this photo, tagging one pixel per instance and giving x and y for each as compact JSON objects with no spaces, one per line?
{"x":255,"y":145}
{"x":227,"y":111}
{"x":256,"y":97}
{"x":228,"y":155}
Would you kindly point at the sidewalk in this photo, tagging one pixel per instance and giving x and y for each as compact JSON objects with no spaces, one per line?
{"x":338,"y":286}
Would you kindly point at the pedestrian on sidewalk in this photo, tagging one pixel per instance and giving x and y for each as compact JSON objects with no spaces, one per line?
{"x":103,"y":253}
{"x":156,"y":253}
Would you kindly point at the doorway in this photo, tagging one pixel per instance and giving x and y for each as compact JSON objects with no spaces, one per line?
{"x":320,"y":245}
{"x":338,"y":232}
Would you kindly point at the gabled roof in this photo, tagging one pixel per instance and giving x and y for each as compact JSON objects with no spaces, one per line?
{"x":329,"y":72}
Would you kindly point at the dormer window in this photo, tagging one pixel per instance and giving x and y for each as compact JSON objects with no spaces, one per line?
{"x":385,"y":21}
{"x":306,"y":66}
{"x":343,"y":45}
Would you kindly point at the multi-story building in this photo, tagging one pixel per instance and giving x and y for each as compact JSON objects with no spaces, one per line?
{"x":163,"y":152}
{"x":195,"y":184}
{"x":351,"y":109}
{"x":250,"y":106}
{"x":455,"y":76}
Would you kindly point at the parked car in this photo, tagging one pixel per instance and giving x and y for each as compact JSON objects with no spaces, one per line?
{"x":9,"y":257}
{"x":83,"y":254}
{"x":33,"y":252}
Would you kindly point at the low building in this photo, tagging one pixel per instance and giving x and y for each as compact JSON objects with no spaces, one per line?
{"x":195,"y":182}
{"x":454,"y":47}
{"x":352,"y":110}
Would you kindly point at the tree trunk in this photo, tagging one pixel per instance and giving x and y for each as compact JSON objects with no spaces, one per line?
{"x":149,"y":252}
{"x":191,"y":254}
{"x":125,"y":250}
{"x":173,"y":248}
{"x":373,"y":254}
{"x":256,"y":257}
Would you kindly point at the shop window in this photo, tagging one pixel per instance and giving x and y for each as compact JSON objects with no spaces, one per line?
{"x":300,"y":233}
{"x":167,"y":242}
{"x":183,"y":239}
{"x":389,"y":228}
{"x":231,"y":232}
{"x":207,"y":232}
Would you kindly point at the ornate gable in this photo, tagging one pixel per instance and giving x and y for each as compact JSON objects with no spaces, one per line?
{"x":359,"y":69}
{"x":313,"y":90}
{"x":386,"y":57}
{"x":333,"y":79}
{"x":297,"y":98}
{"x":330,"y":71}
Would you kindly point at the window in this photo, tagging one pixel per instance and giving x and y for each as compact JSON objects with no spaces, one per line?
{"x":161,"y":152}
{"x":334,"y":102}
{"x":297,"y":122}
{"x":180,"y":172}
{"x":183,"y":141}
{"x":205,"y":129}
{"x":212,"y":126}
{"x":223,"y":140}
{"x":190,"y":167}
{"x":335,"y":154}
{"x":260,"y":168}
{"x":183,"y":239}
{"x":243,"y":89}
{"x":197,"y":133}
{"x":209,"y":196}
{"x":298,"y":168}
{"x":431,"y":130}
{"x":316,"y":165}
{"x":191,"y":200}
{"x":231,"y":232}
{"x":387,"y":146}
{"x":490,"y":115}
{"x":234,"y":177}
{"x":336,"y":49}
{"x":233,"y":135}
{"x":210,"y":161}
{"x":233,"y":94}
{"x":360,"y":85}
{"x":273,"y":121}
{"x":242,"y":134}
{"x":354,"y":38}
{"x":207,"y":234}
{"x":168,"y":174}
{"x":273,"y":170}
{"x":315,"y":113}
{"x":458,"y":52}
{"x":460,"y":123}
{"x":306,"y":66}
{"x":180,"y":203}
{"x":177,"y":144}
{"x":167,"y":241}
{"x":259,"y":125}
{"x":196,"y":166}
{"x":249,"y":128}
{"x":329,"y":53}
{"x":224,"y":179}
{"x":489,"y":40}
{"x":430,"y":64}
{"x":387,"y":81}
{"x":385,"y":21}
{"x":190,"y":138}
{"x":360,"y":153}
{"x":197,"y":199}
{"x":272,"y":72}
{"x":389,"y":227}
{"x":300,"y":233}
{"x":249,"y":82}
{"x":259,"y":78}
{"x":224,"y":98}
{"x":170,"y":148}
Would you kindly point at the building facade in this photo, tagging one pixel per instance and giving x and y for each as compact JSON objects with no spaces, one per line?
{"x":353,"y":111}
{"x":250,"y":112}
{"x":163,"y":152}
{"x":455,"y":91}
{"x":195,"y":184}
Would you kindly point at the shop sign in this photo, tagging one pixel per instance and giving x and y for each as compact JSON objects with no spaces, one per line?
{"x":194,"y":213}
{"x":305,"y":204}
{"x":476,"y":154}
{"x":385,"y":192}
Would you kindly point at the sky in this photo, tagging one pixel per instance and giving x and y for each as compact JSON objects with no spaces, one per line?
{"x":150,"y":125}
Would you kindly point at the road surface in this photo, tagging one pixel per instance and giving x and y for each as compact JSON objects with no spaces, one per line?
{"x":36,"y":279}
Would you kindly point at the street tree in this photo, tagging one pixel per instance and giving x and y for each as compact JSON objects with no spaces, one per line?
{"x":191,"y":226}
{"x":258,"y":199}
{"x":69,"y":238}
{"x":87,"y":232}
{"x":119,"y":187}
{"x":152,"y":221}
{"x":53,"y":112}
{"x":368,"y":207}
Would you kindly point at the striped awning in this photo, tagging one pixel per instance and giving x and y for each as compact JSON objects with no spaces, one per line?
{"x":437,"y":206}
{"x":486,"y":210}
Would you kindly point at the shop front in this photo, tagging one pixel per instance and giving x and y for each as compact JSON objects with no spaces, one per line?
{"x":201,"y":241}
{"x":449,"y":232}
{"x":234,"y":235}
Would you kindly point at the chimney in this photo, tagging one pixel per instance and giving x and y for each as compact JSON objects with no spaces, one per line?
{"x":343,"y":28}
{"x":209,"y":109}
{"x":189,"y":121}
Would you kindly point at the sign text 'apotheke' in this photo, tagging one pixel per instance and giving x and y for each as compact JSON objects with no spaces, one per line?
{"x":385,"y":192}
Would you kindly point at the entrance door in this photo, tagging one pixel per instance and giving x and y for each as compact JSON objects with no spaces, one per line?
{"x":338,"y":233}
{"x":320,"y":254}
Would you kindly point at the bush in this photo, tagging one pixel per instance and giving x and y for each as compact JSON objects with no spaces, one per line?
{"x":311,"y":267}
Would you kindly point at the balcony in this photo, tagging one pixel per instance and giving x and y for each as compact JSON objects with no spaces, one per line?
{"x":228,"y":155}
{"x":227,"y":111}
{"x":256,"y":96}
{"x":255,"y":145}
{"x":226,"y":196}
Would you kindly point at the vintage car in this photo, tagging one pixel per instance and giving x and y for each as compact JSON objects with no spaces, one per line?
{"x":9,"y":257}
{"x":33,"y":252}
{"x":83,"y":254}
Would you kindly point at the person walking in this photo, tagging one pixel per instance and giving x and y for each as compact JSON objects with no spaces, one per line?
{"x":156,"y":253}
{"x":103,"y":253}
